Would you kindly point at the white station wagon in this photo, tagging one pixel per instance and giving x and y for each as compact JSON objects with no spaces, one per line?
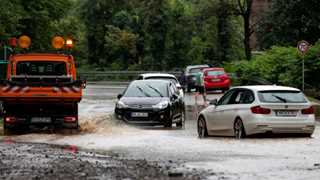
{"x":249,"y":110}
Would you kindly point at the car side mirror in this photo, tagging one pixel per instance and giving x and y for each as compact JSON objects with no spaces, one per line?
{"x":214,"y":102}
{"x":119,"y":96}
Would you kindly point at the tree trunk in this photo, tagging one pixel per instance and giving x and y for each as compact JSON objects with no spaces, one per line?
{"x":247,"y":34}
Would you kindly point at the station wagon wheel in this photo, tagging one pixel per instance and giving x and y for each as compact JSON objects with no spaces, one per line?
{"x":202,"y":128}
{"x":239,"y":131}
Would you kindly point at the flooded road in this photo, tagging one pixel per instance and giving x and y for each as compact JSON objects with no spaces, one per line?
{"x":179,"y":149}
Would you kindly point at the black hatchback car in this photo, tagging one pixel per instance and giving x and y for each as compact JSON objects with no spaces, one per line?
{"x":154,"y":102}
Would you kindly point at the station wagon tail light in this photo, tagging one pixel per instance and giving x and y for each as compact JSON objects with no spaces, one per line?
{"x":260,"y":110}
{"x":309,"y":110}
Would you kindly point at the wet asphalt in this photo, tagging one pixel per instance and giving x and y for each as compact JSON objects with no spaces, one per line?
{"x":107,"y":148}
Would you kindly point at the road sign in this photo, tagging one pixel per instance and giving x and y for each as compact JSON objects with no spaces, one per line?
{"x":303,"y":46}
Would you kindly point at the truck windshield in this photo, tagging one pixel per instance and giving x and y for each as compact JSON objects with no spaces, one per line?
{"x":41,"y":68}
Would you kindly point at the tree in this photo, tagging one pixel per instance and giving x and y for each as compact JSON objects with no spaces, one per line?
{"x":156,"y":28}
{"x":244,"y":8}
{"x":223,"y":13}
{"x":37,"y":22}
{"x":288,"y":22}
{"x":11,"y":12}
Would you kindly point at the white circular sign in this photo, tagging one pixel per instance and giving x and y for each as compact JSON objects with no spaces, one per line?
{"x":303,"y":46}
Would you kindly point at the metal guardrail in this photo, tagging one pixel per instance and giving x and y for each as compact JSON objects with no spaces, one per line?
{"x":117,"y":75}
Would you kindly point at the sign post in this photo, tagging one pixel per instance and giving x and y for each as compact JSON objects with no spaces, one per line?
{"x":303,"y":47}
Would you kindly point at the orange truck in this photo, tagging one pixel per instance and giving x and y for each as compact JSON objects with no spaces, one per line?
{"x":40,"y":89}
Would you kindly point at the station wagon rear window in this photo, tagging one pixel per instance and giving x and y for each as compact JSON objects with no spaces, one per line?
{"x":282,"y":96}
{"x":41,"y":68}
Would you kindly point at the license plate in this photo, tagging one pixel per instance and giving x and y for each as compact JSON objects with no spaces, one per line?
{"x":286,"y":113}
{"x":215,"y":80}
{"x":139,"y":114}
{"x":41,"y":120}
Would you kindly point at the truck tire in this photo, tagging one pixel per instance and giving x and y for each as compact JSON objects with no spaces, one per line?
{"x":6,"y":130}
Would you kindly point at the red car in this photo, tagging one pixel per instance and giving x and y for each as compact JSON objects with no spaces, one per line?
{"x":216,"y":79}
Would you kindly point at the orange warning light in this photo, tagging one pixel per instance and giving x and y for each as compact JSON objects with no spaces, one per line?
{"x":57,"y":42}
{"x":24,"y":42}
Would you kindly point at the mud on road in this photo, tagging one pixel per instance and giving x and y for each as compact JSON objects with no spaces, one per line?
{"x":41,"y":161}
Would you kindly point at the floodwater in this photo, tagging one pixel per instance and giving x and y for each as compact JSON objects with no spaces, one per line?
{"x":225,"y":158}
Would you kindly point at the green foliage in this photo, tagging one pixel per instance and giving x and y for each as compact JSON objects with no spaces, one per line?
{"x":281,"y":66}
{"x":288,"y":22}
{"x":160,"y":34}
{"x":35,"y":18}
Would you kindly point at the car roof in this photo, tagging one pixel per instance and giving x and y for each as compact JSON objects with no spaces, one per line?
{"x":151,"y":81}
{"x":147,"y":75}
{"x":268,"y":88}
{"x":198,"y":66}
{"x":214,"y":69}
{"x":41,"y":57}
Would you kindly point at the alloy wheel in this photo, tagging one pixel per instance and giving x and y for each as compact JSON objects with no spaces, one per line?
{"x":239,"y":129}
{"x":202,"y":128}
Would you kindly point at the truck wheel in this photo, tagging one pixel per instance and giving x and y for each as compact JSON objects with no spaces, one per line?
{"x":6,"y":130}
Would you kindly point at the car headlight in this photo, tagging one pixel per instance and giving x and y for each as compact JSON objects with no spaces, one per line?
{"x":121,"y":105}
{"x":161,"y":105}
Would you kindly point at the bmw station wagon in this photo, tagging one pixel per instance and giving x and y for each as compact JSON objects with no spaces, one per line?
{"x":251,"y":110}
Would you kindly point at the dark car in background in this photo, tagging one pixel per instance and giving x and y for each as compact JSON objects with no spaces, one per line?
{"x":190,"y":78}
{"x":154,"y":102}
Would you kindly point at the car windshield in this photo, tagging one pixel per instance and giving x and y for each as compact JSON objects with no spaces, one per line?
{"x":282,"y":97}
{"x":215,"y":73}
{"x":42,"y":68}
{"x":147,"y":89}
{"x":164,"y":78}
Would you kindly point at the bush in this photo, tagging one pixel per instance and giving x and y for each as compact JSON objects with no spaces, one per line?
{"x":279,"y":65}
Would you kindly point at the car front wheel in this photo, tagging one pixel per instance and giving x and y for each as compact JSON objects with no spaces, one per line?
{"x":182,"y":120}
{"x":202,"y":128}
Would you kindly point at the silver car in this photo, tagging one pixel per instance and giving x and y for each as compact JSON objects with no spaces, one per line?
{"x":249,"y":110}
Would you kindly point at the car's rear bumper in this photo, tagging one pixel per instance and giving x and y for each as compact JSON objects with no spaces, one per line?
{"x":303,"y":126}
{"x":217,"y":85}
{"x":56,"y":122}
